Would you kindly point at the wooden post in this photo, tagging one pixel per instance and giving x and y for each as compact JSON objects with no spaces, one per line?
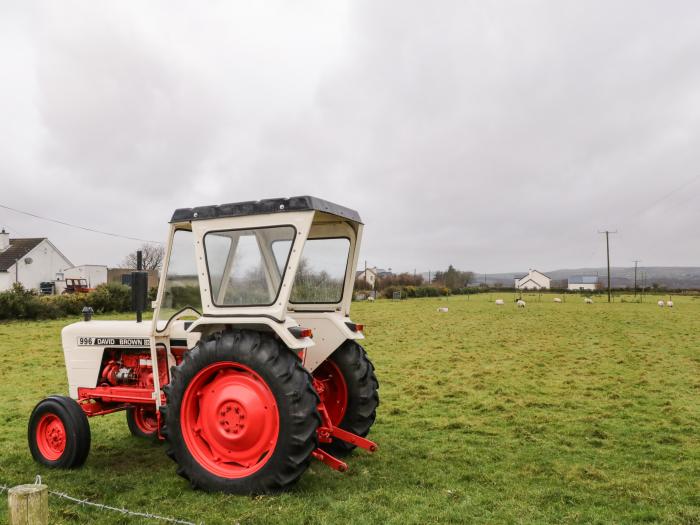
{"x":29,"y":505}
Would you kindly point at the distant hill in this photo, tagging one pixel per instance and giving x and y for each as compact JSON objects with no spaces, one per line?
{"x":666,"y":276}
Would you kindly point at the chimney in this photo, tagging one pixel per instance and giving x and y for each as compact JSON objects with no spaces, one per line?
{"x":4,"y":240}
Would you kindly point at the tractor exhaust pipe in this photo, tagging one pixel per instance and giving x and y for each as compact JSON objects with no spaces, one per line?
{"x":139,"y":288}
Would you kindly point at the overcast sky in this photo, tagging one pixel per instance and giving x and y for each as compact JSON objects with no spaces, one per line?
{"x":493,"y":136}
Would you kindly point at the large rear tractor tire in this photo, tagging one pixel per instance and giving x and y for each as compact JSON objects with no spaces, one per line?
{"x":241,"y":415}
{"x":142,"y":422}
{"x":59,"y":433}
{"x":350,"y":393}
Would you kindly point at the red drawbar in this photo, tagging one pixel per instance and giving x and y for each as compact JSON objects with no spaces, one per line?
{"x":51,"y":436}
{"x":333,"y":393}
{"x":229,"y":420}
{"x":331,"y":388}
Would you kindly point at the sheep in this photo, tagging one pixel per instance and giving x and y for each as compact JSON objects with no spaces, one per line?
{"x":588,"y":300}
{"x":557,"y":300}
{"x":669,"y":304}
{"x":499,"y":302}
{"x":443,"y":309}
{"x":520,"y":303}
{"x":661,"y":304}
{"x":370,"y":298}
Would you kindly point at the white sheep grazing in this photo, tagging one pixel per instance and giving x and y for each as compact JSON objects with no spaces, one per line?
{"x":499,"y":302}
{"x":557,"y":300}
{"x":661,"y":304}
{"x":520,"y":303}
{"x":669,"y":304}
{"x":588,"y":300}
{"x":370,"y":298}
{"x":442,"y":309}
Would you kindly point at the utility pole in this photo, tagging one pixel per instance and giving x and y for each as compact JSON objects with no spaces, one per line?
{"x":635,"y":277}
{"x":607,"y":248}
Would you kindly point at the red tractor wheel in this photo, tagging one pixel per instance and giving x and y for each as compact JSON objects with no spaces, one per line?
{"x":143,"y":422}
{"x":348,"y":389}
{"x":59,"y":433}
{"x":334,"y":391}
{"x":241,"y":415}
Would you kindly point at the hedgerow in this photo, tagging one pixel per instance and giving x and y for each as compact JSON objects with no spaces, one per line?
{"x":19,"y":303}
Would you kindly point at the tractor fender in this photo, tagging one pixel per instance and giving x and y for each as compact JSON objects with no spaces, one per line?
{"x":330,"y":330}
{"x":209,"y":324}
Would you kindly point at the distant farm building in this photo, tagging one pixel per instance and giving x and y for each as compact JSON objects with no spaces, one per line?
{"x":123,"y":276}
{"x":533,"y":280}
{"x":94,"y":274}
{"x":583,"y":282}
{"x":370,"y":276}
{"x":29,"y":262}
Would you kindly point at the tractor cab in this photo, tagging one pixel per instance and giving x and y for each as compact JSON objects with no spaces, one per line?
{"x":280,"y":265}
{"x":250,"y":366}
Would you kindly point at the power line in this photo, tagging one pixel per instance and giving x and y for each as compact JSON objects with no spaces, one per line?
{"x":665,"y":196}
{"x":85,"y":228}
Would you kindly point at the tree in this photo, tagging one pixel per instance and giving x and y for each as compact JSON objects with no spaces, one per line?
{"x":454,"y":279}
{"x":153,"y":256}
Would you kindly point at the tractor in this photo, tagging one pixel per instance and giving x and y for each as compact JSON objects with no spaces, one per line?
{"x":251,"y":366}
{"x":77,"y":286}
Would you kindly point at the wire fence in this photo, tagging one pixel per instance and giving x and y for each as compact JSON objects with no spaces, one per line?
{"x":102,"y":507}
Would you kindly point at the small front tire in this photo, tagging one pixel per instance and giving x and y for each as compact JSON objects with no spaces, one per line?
{"x":142,"y":422}
{"x":59,"y":433}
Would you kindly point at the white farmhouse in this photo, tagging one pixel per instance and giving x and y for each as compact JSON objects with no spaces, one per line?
{"x":533,"y":280}
{"x":368,"y":276}
{"x":583,"y":282}
{"x":29,"y":261}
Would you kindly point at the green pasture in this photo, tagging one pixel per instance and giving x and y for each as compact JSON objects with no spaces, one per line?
{"x":555,"y":413}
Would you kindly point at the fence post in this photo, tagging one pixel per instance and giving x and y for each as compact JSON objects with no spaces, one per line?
{"x":28,"y":504}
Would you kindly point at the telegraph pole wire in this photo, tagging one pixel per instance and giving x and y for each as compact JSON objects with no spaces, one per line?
{"x":85,"y":228}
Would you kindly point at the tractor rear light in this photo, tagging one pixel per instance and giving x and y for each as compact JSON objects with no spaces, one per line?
{"x":354,"y":327}
{"x":301,"y":333}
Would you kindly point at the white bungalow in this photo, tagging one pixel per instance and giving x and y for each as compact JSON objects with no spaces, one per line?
{"x":533,"y":280}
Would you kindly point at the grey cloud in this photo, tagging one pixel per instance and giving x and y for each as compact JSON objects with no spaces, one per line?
{"x":493,"y":136}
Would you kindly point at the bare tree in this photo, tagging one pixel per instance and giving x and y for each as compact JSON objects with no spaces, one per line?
{"x":153,"y":256}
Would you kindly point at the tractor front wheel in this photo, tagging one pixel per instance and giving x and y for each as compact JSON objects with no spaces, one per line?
{"x":241,"y":415}
{"x":349,"y":392}
{"x":142,"y":422}
{"x":59,"y":433}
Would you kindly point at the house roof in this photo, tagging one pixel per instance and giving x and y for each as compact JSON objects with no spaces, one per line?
{"x":518,"y":278}
{"x":583,"y":279}
{"x":520,"y":285}
{"x":18,"y":249}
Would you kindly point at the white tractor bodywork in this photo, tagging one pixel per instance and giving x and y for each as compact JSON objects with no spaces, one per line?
{"x":268,"y":223}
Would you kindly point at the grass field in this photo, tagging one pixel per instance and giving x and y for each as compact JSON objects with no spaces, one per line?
{"x":556,"y":413}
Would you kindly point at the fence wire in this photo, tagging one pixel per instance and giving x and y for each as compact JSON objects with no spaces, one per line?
{"x":101,"y":506}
